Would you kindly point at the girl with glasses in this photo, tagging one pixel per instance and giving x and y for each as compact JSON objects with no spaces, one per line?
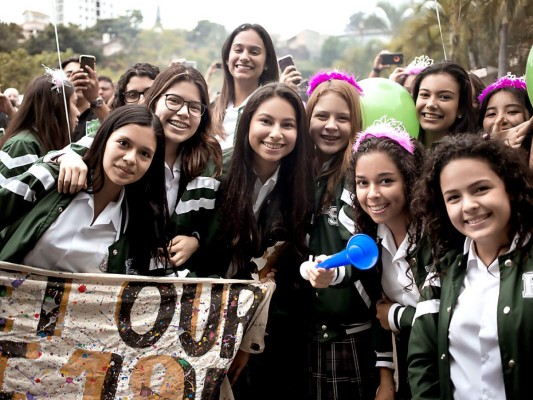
{"x":133,"y":84}
{"x":193,"y":161}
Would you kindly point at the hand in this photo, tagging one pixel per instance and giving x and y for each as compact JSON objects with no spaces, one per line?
{"x":6,"y":106}
{"x":397,"y":73}
{"x":270,"y":276}
{"x":382,"y":307}
{"x":321,"y":277}
{"x":513,"y":136}
{"x":72,"y":173}
{"x":87,"y":81}
{"x":377,"y":66}
{"x":385,"y":392}
{"x":181,"y":248}
{"x":291,"y":76}
{"x":237,"y":365}
{"x":386,"y":389}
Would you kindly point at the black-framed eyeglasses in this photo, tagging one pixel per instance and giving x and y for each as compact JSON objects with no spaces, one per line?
{"x":133,"y":96}
{"x":175,"y":103}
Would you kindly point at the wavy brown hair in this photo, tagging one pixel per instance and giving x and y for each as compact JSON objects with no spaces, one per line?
{"x":508,"y":163}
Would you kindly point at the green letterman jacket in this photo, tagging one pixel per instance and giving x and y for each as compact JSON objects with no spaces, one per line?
{"x":429,"y":358}
{"x":18,"y":154}
{"x":30,"y":204}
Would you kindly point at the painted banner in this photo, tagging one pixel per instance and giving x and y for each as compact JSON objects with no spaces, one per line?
{"x":105,"y":336}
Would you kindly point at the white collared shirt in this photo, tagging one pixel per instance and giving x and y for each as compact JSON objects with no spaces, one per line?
{"x":261,"y":191}
{"x":172,"y":181}
{"x":73,"y":243}
{"x":475,"y":364}
{"x":397,"y":276}
{"x":230,"y":124}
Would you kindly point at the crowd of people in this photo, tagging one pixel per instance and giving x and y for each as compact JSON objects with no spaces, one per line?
{"x":152,"y":177}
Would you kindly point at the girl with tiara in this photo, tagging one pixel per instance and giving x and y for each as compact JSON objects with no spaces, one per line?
{"x":385,"y":166}
{"x":341,"y":351}
{"x":505,"y":110}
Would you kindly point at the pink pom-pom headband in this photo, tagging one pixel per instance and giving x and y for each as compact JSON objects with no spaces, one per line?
{"x":317,"y":79}
{"x":389,"y":129}
{"x":504,"y":82}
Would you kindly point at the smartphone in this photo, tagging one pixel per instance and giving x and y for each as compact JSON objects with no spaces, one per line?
{"x":218,"y":65}
{"x":87,"y":60}
{"x":285,"y":61}
{"x":392,"y":59}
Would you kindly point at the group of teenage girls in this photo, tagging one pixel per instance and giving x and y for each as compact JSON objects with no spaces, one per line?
{"x":154,"y":194}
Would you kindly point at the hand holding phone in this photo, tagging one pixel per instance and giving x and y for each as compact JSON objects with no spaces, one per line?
{"x":87,"y":60}
{"x":285,"y":61}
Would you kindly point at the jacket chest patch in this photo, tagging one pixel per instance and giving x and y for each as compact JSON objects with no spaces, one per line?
{"x":333,"y":216}
{"x":527,"y":278}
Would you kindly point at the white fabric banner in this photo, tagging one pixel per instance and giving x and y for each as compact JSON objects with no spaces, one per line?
{"x":105,"y":336}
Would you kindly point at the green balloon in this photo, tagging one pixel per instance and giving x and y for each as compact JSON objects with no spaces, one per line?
{"x":529,"y":75}
{"x":384,"y":97}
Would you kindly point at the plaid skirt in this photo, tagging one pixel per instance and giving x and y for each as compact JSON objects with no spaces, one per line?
{"x":343,"y":368}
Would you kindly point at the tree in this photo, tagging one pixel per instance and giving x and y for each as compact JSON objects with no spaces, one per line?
{"x":10,"y":34}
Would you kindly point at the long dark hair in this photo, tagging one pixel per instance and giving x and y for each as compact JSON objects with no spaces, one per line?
{"x":146,"y":198}
{"x":467,"y":122}
{"x":43,"y":112}
{"x":506,"y":162}
{"x":227,"y":92}
{"x":201,"y":146}
{"x":294,"y":184}
{"x":141,"y":70}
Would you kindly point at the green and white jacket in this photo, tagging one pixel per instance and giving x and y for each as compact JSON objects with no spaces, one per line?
{"x":31,"y":203}
{"x":18,"y":154}
{"x":429,"y":357}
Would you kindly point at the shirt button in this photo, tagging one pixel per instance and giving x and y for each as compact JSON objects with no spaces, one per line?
{"x":316,"y":294}
{"x":448,"y":309}
{"x":326,"y":335}
{"x":506,"y":309}
{"x":442,"y":357}
{"x":508,"y":263}
{"x":511,"y":364}
{"x":60,"y":209}
{"x":324,"y":327}
{"x":115,"y":252}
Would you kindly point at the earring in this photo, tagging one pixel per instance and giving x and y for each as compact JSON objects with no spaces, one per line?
{"x":460,"y":116}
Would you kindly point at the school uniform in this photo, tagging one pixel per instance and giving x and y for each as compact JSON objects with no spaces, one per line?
{"x":344,"y":314}
{"x":231,"y":120}
{"x":496,"y":302}
{"x":402,"y":273}
{"x":192,"y":208}
{"x":18,"y":154}
{"x":31,"y":205}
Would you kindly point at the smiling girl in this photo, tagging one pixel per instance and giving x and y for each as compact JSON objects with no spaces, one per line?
{"x":385,"y":166}
{"x":264,"y":209}
{"x":443,"y":97}
{"x":471,"y":336}
{"x":117,"y":225}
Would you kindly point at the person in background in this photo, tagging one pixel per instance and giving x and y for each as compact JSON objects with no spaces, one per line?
{"x":477,"y":87}
{"x":7,"y":111}
{"x":471,"y":336}
{"x":385,"y":166}
{"x":133,"y":84}
{"x":264,"y":210}
{"x":340,"y":346}
{"x":116,"y":225}
{"x":248,"y":62}
{"x":106,"y":89}
{"x":443,"y":102}
{"x":505,"y":110}
{"x":13,"y":95}
{"x":41,"y":124}
{"x":92,"y":108}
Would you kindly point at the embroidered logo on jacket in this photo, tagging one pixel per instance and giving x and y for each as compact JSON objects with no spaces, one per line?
{"x":527,"y":277}
{"x":333,"y":216}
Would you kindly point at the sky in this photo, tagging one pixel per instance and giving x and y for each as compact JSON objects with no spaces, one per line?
{"x":283,"y":17}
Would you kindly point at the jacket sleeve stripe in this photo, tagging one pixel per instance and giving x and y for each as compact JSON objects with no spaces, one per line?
{"x":362,"y":292}
{"x":15,"y":162}
{"x":426,"y":307}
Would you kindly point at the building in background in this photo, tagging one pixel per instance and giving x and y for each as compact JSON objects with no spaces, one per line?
{"x":84,"y":13}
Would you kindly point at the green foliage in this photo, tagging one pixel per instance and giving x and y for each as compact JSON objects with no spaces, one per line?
{"x":10,"y":34}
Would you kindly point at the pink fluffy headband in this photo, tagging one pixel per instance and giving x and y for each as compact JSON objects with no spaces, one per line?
{"x":320,"y":77}
{"x":388,"y":129}
{"x":504,"y":82}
